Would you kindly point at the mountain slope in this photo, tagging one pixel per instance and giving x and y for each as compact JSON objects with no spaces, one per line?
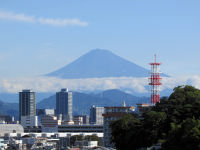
{"x":11,"y":109}
{"x":100,"y":63}
{"x":82,"y":102}
{"x":119,"y":96}
{"x":14,"y":97}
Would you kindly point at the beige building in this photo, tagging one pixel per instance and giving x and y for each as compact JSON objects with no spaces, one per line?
{"x":49,"y":120}
{"x":78,"y":120}
{"x":111,"y":114}
{"x":142,"y":108}
{"x":50,"y":123}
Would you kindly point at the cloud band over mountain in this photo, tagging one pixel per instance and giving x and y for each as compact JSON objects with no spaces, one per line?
{"x":52,"y":84}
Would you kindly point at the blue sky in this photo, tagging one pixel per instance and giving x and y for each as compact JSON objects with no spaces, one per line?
{"x":38,"y":37}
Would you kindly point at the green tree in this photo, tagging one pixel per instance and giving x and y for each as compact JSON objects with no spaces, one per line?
{"x":184,"y":136}
{"x":76,"y":138}
{"x":181,"y":123}
{"x":175,"y":122}
{"x":153,"y":124}
{"x":94,"y":138}
{"x":124,"y":133}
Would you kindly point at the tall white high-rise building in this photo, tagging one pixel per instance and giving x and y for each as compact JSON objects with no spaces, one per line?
{"x":64,"y":104}
{"x":27,"y":108}
{"x":96,"y":115}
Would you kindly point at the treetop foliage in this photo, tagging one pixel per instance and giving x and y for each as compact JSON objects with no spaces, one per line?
{"x":174,"y":122}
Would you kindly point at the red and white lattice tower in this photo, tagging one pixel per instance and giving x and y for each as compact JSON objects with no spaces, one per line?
{"x":154,"y":82}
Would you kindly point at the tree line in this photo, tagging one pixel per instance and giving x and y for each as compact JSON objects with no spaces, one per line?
{"x":174,"y":122}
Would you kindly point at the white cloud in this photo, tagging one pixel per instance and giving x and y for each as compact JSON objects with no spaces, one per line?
{"x":62,"y":22}
{"x":51,"y":84}
{"x":48,"y":21}
{"x":17,"y":17}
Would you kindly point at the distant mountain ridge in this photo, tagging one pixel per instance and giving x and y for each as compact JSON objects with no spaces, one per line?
{"x":11,"y":109}
{"x":98,"y":64}
{"x":82,"y":101}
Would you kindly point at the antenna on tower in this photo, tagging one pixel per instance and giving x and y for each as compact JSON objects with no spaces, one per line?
{"x":154,"y":82}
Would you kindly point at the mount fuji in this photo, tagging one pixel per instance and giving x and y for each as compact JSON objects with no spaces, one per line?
{"x":100,"y":63}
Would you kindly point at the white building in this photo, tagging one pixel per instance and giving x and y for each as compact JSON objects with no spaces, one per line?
{"x":78,"y":120}
{"x":10,"y":128}
{"x":111,"y":114}
{"x":96,"y":115}
{"x":2,"y":144}
{"x":29,"y":121}
{"x":86,"y":144}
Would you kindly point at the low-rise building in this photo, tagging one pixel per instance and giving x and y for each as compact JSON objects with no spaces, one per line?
{"x":45,"y":143}
{"x":86,"y":144}
{"x":29,"y":121}
{"x":37,"y":141}
{"x":2,"y":144}
{"x":81,"y":128}
{"x":50,"y":123}
{"x":10,"y":128}
{"x":142,"y":108}
{"x":111,"y":114}
{"x":86,"y":119}
{"x":96,"y":115}
{"x":78,"y":120}
{"x":50,"y":120}
{"x":43,"y":112}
